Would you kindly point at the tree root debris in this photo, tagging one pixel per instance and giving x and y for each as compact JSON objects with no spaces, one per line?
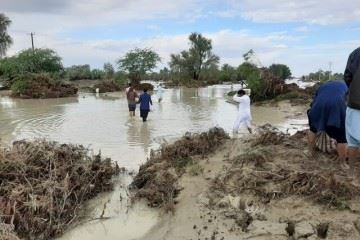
{"x":275,"y":166}
{"x":43,"y":186}
{"x":157,"y":180}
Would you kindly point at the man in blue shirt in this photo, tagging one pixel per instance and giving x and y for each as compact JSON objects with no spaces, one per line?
{"x":145,"y":102}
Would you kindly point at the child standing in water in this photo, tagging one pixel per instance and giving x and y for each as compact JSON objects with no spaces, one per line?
{"x":244,"y":113}
{"x":145,"y":102}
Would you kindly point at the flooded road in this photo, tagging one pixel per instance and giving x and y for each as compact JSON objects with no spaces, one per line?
{"x":102,"y":122}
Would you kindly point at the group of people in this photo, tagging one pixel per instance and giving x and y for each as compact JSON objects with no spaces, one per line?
{"x":144,"y":100}
{"x":335,"y":110}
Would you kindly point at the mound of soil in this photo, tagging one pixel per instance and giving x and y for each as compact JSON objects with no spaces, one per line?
{"x":107,"y":86}
{"x":158,"y":177}
{"x":41,"y":86}
{"x":43,"y":186}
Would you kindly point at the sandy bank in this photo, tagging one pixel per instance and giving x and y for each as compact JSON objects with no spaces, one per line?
{"x":263,"y":187}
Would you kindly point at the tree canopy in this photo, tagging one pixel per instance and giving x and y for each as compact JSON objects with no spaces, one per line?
{"x":109,"y":70}
{"x":138,"y":62}
{"x":31,"y":61}
{"x":5,"y":39}
{"x":280,"y":70}
{"x":198,"y":58}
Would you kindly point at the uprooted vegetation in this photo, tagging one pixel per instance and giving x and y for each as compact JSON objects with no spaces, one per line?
{"x":157,"y":180}
{"x":107,"y":86}
{"x":43,"y":186}
{"x":275,"y":166}
{"x":41,"y":86}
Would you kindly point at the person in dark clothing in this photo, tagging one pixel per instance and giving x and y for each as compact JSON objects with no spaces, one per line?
{"x":327,"y":114}
{"x":145,"y":102}
{"x":352,"y":79}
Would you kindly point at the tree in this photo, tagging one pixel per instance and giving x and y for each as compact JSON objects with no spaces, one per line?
{"x":245,"y":70}
{"x":228,"y":73}
{"x":5,"y":39}
{"x":280,"y":70}
{"x":197,"y":59}
{"x":29,"y":61}
{"x":138,"y":62}
{"x":78,"y":72}
{"x":109,"y":70}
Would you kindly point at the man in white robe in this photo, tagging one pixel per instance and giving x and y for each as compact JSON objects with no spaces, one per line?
{"x":244,"y":113}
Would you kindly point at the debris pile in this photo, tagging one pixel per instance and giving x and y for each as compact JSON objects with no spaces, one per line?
{"x":41,"y":86}
{"x":277,"y":165}
{"x":158,"y":177}
{"x":43,"y":186}
{"x":107,"y":86}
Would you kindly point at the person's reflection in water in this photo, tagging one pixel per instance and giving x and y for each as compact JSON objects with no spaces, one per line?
{"x":145,"y":137}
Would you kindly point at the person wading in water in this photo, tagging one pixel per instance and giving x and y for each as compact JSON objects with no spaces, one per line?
{"x":145,"y":102}
{"x":131,"y":98}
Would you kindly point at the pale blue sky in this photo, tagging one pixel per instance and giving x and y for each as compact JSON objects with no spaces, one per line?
{"x":306,"y":35}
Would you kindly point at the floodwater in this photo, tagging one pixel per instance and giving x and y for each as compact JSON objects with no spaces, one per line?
{"x":102,"y":122}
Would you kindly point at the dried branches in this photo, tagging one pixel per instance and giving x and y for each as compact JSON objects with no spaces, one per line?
{"x":43,"y":185}
{"x":157,"y":179}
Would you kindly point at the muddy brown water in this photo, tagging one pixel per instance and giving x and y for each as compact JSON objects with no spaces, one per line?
{"x":102,"y":122}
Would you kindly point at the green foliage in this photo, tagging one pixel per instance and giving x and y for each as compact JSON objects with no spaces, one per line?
{"x":78,"y":72}
{"x":5,"y":39}
{"x":280,"y":70}
{"x":138,"y":62}
{"x":247,"y":70}
{"x":30,"y":61}
{"x":322,"y":76}
{"x":21,"y":84}
{"x":97,"y":74}
{"x":228,"y":74}
{"x":109,"y":70}
{"x":197,"y":59}
{"x":121,"y":78}
{"x":255,"y":83}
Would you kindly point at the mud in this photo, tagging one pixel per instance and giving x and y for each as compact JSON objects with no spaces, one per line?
{"x":265,"y":186}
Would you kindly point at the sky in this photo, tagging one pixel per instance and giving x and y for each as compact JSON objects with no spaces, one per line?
{"x":306,"y":35}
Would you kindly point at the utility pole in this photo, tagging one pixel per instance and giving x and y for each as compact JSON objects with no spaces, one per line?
{"x":32,"y":40}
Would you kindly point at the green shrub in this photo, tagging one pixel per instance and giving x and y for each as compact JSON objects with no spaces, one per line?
{"x":21,"y":84}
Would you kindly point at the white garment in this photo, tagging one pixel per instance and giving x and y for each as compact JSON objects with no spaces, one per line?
{"x":159,"y":92}
{"x":127,"y":90}
{"x":244,"y":113}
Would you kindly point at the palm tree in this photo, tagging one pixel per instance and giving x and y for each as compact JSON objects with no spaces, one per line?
{"x":5,"y":39}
